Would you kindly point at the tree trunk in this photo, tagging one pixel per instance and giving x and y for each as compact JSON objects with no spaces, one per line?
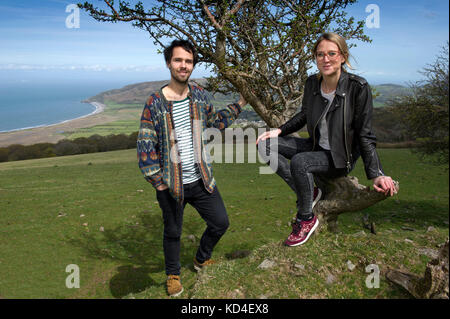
{"x":340,"y":195}
{"x":434,"y":283}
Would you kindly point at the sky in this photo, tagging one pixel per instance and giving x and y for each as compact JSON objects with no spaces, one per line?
{"x":37,"y":44}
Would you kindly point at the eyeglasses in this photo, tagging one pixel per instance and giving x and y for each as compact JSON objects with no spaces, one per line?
{"x":331,"y":55}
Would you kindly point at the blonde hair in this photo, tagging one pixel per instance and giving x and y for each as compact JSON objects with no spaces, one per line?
{"x":340,"y":42}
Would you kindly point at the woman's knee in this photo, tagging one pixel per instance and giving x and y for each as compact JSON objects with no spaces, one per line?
{"x":299,"y":163}
{"x":264,"y":149}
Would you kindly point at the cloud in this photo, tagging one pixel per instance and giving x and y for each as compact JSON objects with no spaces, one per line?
{"x":432,"y":15}
{"x":94,"y":67}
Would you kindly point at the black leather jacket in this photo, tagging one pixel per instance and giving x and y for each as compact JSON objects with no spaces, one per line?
{"x":351,"y":135}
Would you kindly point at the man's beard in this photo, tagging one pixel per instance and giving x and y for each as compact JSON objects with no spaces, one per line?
{"x":179,"y":80}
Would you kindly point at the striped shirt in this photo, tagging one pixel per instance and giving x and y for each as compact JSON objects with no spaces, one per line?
{"x":183,"y":129}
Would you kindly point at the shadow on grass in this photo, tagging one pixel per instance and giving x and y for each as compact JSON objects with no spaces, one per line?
{"x":403,"y":212}
{"x":130,"y":279}
{"x":139,"y":247}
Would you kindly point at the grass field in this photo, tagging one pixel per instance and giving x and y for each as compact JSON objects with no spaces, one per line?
{"x":127,"y":121}
{"x":96,"y":211}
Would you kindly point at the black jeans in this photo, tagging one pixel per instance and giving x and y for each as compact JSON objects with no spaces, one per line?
{"x":296,"y":163}
{"x":210,"y":207}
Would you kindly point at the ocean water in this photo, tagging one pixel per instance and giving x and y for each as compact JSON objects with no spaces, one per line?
{"x":26,"y":105}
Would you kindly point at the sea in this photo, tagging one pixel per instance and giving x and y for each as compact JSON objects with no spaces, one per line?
{"x":29,"y":105}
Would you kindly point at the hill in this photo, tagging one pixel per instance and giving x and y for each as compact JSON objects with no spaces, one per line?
{"x":123,"y":107}
{"x":138,"y":93}
{"x":130,"y":94}
{"x":133,"y":93}
{"x":131,"y":98}
{"x":96,"y":211}
{"x":387,"y":92}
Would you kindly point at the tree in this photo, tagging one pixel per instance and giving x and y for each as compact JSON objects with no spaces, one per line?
{"x":259,"y":48}
{"x":425,"y":112}
{"x":433,"y":284}
{"x":85,"y":145}
{"x":4,"y":154}
{"x":15,"y":152}
{"x":66,"y":147}
{"x":99,"y":141}
{"x":118,"y":142}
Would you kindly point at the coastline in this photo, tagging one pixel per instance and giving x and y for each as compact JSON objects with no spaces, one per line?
{"x":99,"y":107}
{"x":53,"y":133}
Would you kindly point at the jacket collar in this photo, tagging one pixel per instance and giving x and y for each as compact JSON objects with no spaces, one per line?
{"x":168,"y":105}
{"x":163,"y":98}
{"x":340,"y":89}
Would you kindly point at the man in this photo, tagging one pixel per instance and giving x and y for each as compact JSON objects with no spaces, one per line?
{"x":172,"y":153}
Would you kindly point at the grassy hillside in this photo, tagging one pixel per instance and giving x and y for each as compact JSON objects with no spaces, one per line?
{"x":125,"y":105}
{"x":127,"y":117}
{"x":96,"y":211}
{"x":386,"y":92}
{"x":138,"y":93}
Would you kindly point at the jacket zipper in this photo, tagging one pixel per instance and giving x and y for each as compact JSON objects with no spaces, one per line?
{"x":200,"y":142}
{"x":180,"y":168}
{"x":378,"y":163}
{"x":320,"y":118}
{"x":345,"y":134}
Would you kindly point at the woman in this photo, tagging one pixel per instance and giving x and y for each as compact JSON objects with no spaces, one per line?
{"x":337,"y":110}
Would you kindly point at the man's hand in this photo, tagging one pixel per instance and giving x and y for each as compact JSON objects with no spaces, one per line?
{"x":384,"y":184}
{"x":268,"y":134}
{"x":162,"y":187}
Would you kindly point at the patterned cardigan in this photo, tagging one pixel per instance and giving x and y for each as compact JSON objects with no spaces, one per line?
{"x":157,"y":148}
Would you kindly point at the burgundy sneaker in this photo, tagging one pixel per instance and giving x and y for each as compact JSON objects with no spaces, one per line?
{"x":301,"y":231}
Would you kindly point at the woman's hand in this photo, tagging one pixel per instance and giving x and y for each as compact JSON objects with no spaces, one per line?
{"x":268,"y":134}
{"x":384,"y":184}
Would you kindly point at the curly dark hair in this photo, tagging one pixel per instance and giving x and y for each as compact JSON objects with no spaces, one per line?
{"x":185,"y":44}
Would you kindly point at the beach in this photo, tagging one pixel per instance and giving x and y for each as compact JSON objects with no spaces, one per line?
{"x":54,"y":132}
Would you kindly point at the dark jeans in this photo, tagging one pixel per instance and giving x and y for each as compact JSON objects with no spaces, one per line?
{"x":210,"y":207}
{"x":296,"y":163}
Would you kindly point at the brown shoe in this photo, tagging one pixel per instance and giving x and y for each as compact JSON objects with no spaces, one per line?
{"x":198,"y":266}
{"x":174,"y":287}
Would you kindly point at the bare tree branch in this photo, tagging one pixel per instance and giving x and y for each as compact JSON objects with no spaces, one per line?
{"x":260,"y":48}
